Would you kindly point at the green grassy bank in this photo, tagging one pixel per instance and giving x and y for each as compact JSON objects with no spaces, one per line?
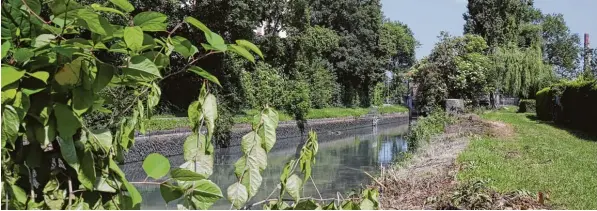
{"x":166,"y":122}
{"x":540,"y":158}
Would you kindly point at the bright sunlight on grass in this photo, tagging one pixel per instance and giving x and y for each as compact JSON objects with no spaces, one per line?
{"x":541,"y":158}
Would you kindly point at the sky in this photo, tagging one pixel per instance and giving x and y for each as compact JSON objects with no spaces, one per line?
{"x":427,"y":18}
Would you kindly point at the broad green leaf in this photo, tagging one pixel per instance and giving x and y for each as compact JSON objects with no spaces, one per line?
{"x":257,"y":158}
{"x":5,"y":47}
{"x":170,"y":192}
{"x":9,"y":92}
{"x":70,"y":73}
{"x":240,"y":166}
{"x":367,"y":204}
{"x":160,"y":60}
{"x":252,"y":179}
{"x":60,"y":7}
{"x":242,"y":52}
{"x":206,"y":194}
{"x":216,"y":41}
{"x":101,"y":184}
{"x":87,"y":171}
{"x":133,"y":37}
{"x":250,"y":46}
{"x":192,"y":147}
{"x":145,"y":65}
{"x":307,"y":205}
{"x":104,"y":75}
{"x":45,"y":134}
{"x":124,"y":5}
{"x":203,"y":165}
{"x":82,"y":100}
{"x":19,"y":194}
{"x":268,"y":132}
{"x":23,"y":54}
{"x":293,"y":186}
{"x":10,"y":75}
{"x":156,"y":165}
{"x":349,"y":205}
{"x":184,"y":47}
{"x":194,"y":114}
{"x":68,"y":151}
{"x":185,"y":175}
{"x":98,"y":7}
{"x":102,"y":137}
{"x":249,"y":141}
{"x":151,"y":21}
{"x":10,"y":125}
{"x":66,"y":120}
{"x":203,"y":73}
{"x":210,"y":112}
{"x":41,"y":75}
{"x":133,"y":192}
{"x":197,"y":23}
{"x":331,"y":206}
{"x":43,"y":39}
{"x":237,"y":195}
{"x":95,"y":23}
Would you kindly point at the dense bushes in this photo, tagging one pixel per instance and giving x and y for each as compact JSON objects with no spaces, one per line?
{"x":428,"y":126}
{"x":571,"y":103}
{"x":526,"y":105}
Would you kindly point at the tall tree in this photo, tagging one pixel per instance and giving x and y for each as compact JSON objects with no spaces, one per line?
{"x":499,"y":21}
{"x":561,"y":48}
{"x":397,"y":42}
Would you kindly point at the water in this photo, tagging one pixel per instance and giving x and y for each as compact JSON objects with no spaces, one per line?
{"x":339,"y":167}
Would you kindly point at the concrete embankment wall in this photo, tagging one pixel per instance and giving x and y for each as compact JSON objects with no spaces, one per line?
{"x":170,"y":142}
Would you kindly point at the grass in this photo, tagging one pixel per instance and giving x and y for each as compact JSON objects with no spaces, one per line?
{"x":166,"y":122}
{"x":540,"y":158}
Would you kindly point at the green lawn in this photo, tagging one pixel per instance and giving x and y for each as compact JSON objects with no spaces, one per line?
{"x":165,"y":122}
{"x":540,"y":158}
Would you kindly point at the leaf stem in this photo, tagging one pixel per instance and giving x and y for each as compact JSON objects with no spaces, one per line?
{"x":148,"y":183}
{"x":33,"y":13}
{"x":71,"y":196}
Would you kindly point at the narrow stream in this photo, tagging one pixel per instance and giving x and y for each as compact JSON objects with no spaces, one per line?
{"x":339,"y":167}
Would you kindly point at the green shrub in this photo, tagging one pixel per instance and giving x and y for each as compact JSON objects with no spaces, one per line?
{"x":426,"y":127}
{"x":544,"y":105}
{"x":572,"y":103}
{"x":378,"y":94}
{"x":526,"y":105}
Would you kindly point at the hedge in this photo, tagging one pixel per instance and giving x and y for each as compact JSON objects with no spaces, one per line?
{"x":526,"y":105}
{"x":572,"y":103}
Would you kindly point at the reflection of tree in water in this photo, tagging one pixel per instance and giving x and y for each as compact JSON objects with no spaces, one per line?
{"x":339,"y":168}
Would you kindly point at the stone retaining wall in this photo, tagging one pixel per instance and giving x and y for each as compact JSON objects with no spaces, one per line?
{"x":170,"y":142}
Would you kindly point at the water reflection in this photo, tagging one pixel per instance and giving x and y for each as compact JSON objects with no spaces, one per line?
{"x":339,"y":166}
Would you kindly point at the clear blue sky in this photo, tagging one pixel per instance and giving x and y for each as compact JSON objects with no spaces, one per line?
{"x":428,"y":17}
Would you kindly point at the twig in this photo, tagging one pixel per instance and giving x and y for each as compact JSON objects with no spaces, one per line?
{"x":148,"y":183}
{"x":269,"y":200}
{"x":35,"y":14}
{"x":187,"y":65}
{"x":70,"y":193}
{"x":321,"y":197}
{"x":175,"y":28}
{"x":374,"y":179}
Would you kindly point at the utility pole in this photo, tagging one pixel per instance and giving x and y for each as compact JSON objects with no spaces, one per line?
{"x":588,"y":73}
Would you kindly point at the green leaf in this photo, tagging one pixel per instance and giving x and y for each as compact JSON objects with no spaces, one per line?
{"x":294,"y":185}
{"x":103,"y":137}
{"x":10,"y":125}
{"x":331,"y":206}
{"x":307,"y":205}
{"x":66,"y":120}
{"x":206,"y":194}
{"x":250,"y":46}
{"x":98,"y":7}
{"x":192,"y":147}
{"x":349,"y":205}
{"x":156,"y":165}
{"x":248,"y":141}
{"x":87,"y":175}
{"x":94,"y":22}
{"x":60,"y":7}
{"x":133,"y":37}
{"x":203,"y":73}
{"x":367,"y":204}
{"x":160,"y":60}
{"x":242,"y":52}
{"x":170,"y":192}
{"x":10,"y":75}
{"x":45,"y":134}
{"x":68,"y":151}
{"x":203,"y":166}
{"x":5,"y":47}
{"x":101,"y":184}
{"x":216,"y":41}
{"x":185,"y":175}
{"x":23,"y":54}
{"x":69,"y":74}
{"x":194,"y":114}
{"x":151,"y":21}
{"x":41,"y":75}
{"x":184,"y":47}
{"x":133,"y":192}
{"x":268,"y":131}
{"x":43,"y":39}
{"x":237,"y":195}
{"x":104,"y":75}
{"x":82,"y":100}
{"x":210,"y":112}
{"x":257,"y":158}
{"x":197,"y":23}
{"x":145,"y":65}
{"x":124,"y":5}
{"x":252,"y":180}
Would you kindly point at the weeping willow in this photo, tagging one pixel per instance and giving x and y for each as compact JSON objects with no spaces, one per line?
{"x":520,"y":71}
